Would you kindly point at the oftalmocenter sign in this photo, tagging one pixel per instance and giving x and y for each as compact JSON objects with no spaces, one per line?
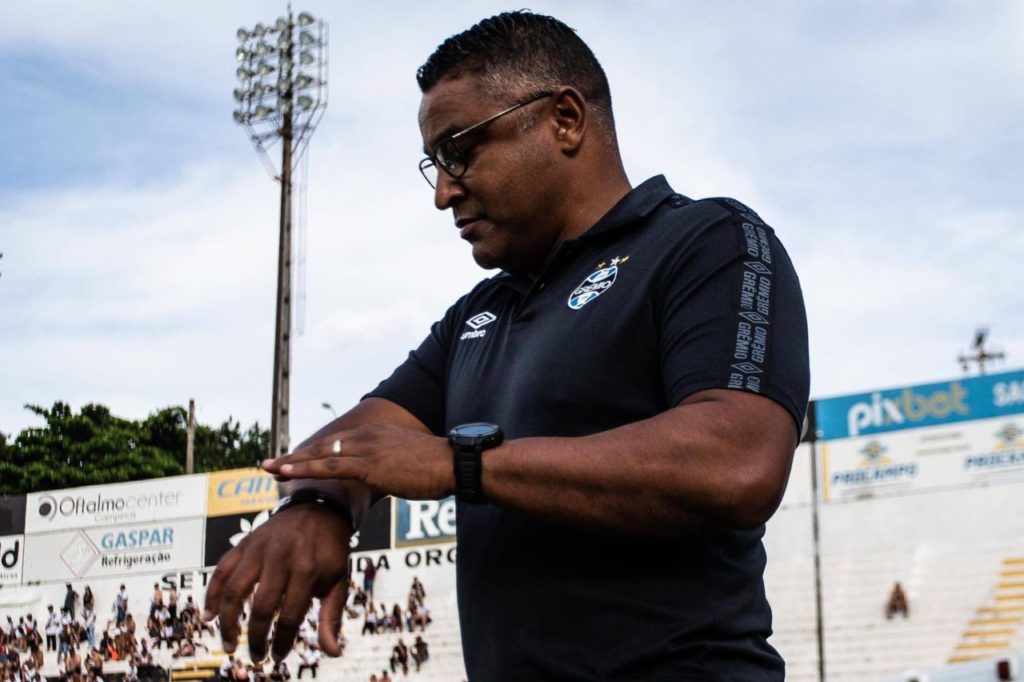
{"x":104,"y":505}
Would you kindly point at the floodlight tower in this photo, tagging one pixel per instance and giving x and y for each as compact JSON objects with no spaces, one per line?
{"x":282,"y":95}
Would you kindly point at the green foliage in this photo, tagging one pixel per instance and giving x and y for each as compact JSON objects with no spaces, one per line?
{"x":94,"y":447}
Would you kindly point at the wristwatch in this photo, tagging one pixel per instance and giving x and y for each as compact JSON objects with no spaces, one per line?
{"x":468,"y":441}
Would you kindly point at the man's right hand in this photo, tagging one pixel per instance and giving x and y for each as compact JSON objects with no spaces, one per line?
{"x":298,"y":554}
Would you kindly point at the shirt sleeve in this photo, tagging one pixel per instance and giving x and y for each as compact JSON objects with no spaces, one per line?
{"x":419,"y":384}
{"x":732,"y":313}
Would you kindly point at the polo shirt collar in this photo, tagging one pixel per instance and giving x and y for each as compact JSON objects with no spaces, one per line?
{"x":639,"y":203}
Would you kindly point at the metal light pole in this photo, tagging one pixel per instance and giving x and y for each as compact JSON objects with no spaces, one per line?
{"x":282,"y":96}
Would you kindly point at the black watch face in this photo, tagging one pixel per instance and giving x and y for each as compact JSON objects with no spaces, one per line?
{"x":475,"y":430}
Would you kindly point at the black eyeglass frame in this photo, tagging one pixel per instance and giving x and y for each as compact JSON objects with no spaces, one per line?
{"x":437,"y":159}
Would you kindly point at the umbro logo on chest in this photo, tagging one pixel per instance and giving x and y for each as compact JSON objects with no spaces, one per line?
{"x":596,"y":283}
{"x":476,"y":324}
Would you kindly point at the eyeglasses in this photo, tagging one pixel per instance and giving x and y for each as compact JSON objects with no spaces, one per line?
{"x":450,"y":158}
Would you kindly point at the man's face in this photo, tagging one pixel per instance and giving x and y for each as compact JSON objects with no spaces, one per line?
{"x":504,"y":203}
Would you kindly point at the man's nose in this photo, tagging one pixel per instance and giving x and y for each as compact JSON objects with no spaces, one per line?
{"x":449,"y":191}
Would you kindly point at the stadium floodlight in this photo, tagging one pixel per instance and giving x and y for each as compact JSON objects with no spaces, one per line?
{"x":271,"y":70}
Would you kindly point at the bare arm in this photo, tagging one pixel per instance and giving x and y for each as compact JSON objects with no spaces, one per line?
{"x":718,"y":460}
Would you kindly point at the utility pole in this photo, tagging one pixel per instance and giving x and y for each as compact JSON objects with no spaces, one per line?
{"x":282,"y":96}
{"x":191,"y":438}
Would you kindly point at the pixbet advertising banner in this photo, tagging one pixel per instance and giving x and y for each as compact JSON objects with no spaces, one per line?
{"x":11,"y":555}
{"x":985,"y":450}
{"x":156,"y":546}
{"x":120,"y":503}
{"x":889,"y":410}
{"x":240,"y":491}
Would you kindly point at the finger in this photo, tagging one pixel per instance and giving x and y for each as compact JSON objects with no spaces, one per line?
{"x":273,"y":583}
{"x":232,"y":599}
{"x":294,"y":608}
{"x":334,"y":467}
{"x":326,"y":446}
{"x":331,"y":608}
{"x":226,"y":566}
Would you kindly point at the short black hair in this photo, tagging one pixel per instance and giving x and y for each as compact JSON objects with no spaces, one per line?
{"x":519,"y":54}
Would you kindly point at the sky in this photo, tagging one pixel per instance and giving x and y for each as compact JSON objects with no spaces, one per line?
{"x":882,"y":141}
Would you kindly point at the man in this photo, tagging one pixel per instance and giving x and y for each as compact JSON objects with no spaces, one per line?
{"x":623,"y":400}
{"x":70,"y":600}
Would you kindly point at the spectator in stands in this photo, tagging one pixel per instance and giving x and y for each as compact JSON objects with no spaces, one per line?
{"x":310,"y":661}
{"x":132,"y":674}
{"x":421,"y":618}
{"x":418,"y":589}
{"x":70,"y":600}
{"x":88,"y":600}
{"x":396,"y":618}
{"x":240,"y":672}
{"x":897,"y":602}
{"x":94,"y":662}
{"x":369,"y":576}
{"x":89,"y":616}
{"x":157,"y":602}
{"x":73,"y":663}
{"x":172,"y":602}
{"x":400,"y":657}
{"x":144,"y":659}
{"x":383,"y":619}
{"x":64,"y":641}
{"x":420,"y":653}
{"x":121,"y":605}
{"x":52,"y":628}
{"x":227,"y":667}
{"x":385,"y":676}
{"x":280,"y":673}
{"x":370,"y":621}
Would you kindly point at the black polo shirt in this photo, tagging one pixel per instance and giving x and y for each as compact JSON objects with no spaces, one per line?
{"x":662,"y":298}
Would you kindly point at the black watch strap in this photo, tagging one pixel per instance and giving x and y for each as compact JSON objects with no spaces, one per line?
{"x":316,"y":497}
{"x":468,"y":472}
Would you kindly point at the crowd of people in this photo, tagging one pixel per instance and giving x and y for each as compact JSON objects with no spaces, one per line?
{"x":173,"y":623}
{"x":70,"y":634}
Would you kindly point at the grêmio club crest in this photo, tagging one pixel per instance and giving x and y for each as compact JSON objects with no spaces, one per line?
{"x":596,"y":283}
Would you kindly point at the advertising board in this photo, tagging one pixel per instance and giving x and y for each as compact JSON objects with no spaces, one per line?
{"x":12,"y":514}
{"x":160,"y":499}
{"x":884,"y":411}
{"x":964,"y":453}
{"x":240,"y":491}
{"x":421,"y":522}
{"x":156,"y":546}
{"x":11,"y":556}
{"x":224,"y":532}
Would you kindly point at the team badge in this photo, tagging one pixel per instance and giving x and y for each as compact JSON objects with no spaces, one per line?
{"x":596,"y":283}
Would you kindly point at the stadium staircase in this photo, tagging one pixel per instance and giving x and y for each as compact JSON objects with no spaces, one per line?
{"x":943,"y":586}
{"x":996,"y":626}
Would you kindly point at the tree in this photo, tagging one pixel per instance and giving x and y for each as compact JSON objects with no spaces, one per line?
{"x":94,"y":447}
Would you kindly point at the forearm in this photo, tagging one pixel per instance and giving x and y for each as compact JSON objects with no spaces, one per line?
{"x":686,"y":471}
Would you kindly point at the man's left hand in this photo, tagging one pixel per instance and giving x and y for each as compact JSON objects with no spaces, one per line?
{"x":391,"y":460}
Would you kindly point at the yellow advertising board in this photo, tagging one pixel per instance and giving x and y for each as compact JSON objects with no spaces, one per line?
{"x":240,"y":491}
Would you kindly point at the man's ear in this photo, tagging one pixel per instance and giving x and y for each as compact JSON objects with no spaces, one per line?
{"x":570,"y":118}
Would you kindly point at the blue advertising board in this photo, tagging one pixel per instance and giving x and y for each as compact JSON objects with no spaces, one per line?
{"x":994,"y":395}
{"x":422,"y":522}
